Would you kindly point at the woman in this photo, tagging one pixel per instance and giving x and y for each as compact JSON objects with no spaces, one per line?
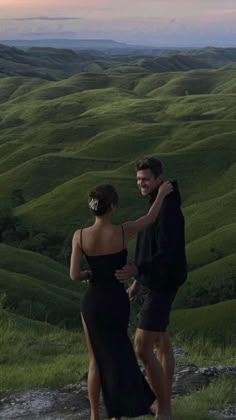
{"x":105,"y":307}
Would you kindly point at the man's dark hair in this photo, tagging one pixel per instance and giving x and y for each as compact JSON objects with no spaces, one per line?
{"x":151,"y":163}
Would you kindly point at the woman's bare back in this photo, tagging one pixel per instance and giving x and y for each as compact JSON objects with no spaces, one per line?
{"x":102,"y":239}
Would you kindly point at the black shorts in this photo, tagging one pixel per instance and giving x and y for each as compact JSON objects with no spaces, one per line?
{"x":155,"y":311}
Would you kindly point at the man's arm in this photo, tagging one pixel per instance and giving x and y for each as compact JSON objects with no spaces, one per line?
{"x":133,"y":227}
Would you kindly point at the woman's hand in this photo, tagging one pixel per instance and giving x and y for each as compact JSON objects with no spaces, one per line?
{"x":165,"y":189}
{"x":135,"y":226}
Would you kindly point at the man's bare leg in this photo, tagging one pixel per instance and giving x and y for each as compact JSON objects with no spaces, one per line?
{"x":165,"y":356}
{"x":94,"y":385}
{"x":144,"y":346}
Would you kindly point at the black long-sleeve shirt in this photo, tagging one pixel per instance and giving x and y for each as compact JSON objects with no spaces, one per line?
{"x":160,"y":248}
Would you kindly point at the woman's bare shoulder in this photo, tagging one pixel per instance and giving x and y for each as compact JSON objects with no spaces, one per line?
{"x":78,"y":232}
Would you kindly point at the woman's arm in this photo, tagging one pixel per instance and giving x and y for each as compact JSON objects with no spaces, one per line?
{"x":133,"y":227}
{"x":75,"y":273}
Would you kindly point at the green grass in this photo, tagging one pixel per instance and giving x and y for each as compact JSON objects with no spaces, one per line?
{"x":218,"y":395}
{"x":35,"y":354}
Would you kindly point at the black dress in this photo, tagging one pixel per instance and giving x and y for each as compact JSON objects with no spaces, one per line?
{"x":105,"y":309}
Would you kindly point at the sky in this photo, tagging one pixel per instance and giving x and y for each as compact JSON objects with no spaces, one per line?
{"x":143,"y":22}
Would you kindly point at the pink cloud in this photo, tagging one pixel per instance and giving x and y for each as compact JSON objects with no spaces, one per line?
{"x":219,"y":16}
{"x":225,"y":12}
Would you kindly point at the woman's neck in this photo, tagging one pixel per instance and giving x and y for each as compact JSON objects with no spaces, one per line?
{"x":103,"y":220}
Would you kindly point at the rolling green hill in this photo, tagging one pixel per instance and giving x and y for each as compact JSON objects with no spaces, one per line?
{"x":214,"y":323}
{"x":217,"y":57}
{"x":38,"y":288}
{"x":46,"y":63}
{"x":60,"y":138}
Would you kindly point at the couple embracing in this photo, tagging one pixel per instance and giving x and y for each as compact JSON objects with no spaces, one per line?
{"x":160,"y":266}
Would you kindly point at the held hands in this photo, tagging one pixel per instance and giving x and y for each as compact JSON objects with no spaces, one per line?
{"x":126,"y":272}
{"x":165,"y":189}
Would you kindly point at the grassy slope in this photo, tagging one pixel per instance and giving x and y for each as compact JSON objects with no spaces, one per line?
{"x":213,"y":323}
{"x":206,"y":329}
{"x":35,"y":354}
{"x":38,"y":287}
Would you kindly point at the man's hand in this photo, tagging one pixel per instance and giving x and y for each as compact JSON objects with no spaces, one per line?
{"x":126,"y":272}
{"x":132,"y":290}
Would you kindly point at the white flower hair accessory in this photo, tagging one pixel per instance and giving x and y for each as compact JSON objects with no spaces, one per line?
{"x":93,"y":204}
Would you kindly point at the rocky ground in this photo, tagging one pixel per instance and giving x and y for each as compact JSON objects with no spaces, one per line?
{"x":71,"y":402}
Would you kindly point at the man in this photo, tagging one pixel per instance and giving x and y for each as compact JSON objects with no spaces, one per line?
{"x":160,"y":265}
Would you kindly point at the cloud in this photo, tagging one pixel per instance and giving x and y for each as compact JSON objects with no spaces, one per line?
{"x":44,"y":18}
{"x":49,"y":34}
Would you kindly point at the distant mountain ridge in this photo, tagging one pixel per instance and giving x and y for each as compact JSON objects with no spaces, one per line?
{"x":56,"y":64}
{"x":66,"y":43}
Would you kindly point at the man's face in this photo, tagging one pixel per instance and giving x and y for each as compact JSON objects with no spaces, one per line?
{"x":147,"y":182}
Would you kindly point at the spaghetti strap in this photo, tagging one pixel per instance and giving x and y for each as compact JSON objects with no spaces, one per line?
{"x":81,"y":241}
{"x":123,"y":236}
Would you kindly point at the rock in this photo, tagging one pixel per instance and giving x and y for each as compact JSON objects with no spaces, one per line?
{"x":228,"y":413}
{"x":180,"y":352}
{"x":188,"y":379}
{"x":220,"y":370}
{"x":45,"y":404}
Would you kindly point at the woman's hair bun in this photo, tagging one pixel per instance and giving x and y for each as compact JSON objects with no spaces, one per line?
{"x":102,"y":199}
